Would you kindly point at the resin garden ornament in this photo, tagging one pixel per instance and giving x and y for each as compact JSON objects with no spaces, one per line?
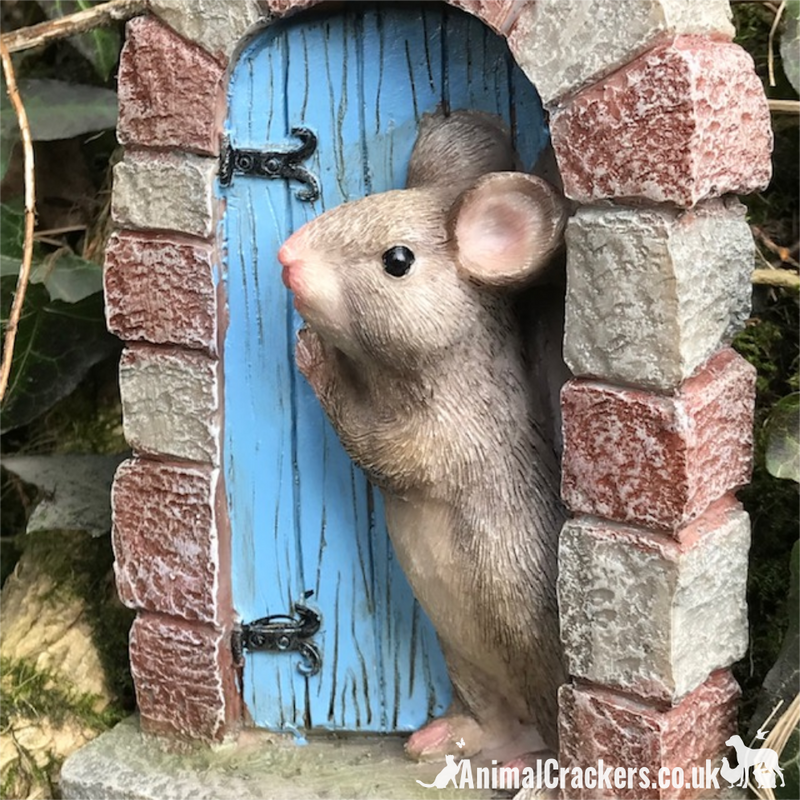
{"x":416,"y":348}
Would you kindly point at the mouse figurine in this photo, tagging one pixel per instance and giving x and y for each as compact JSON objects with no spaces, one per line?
{"x":414,"y":347}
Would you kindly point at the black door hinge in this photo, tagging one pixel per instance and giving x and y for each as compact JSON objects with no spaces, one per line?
{"x":273,"y":162}
{"x":282,"y":633}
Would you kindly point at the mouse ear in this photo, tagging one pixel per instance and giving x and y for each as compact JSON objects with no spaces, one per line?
{"x":506,"y":228}
{"x":454,"y":150}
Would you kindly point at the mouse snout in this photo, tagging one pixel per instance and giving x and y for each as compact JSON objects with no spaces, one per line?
{"x":290,"y":257}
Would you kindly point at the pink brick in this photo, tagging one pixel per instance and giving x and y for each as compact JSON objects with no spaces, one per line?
{"x":171,"y":93}
{"x":184,"y":678}
{"x":654,"y":460}
{"x":160,"y":289}
{"x":166,"y":541}
{"x":595,"y":723}
{"x":686,"y":121}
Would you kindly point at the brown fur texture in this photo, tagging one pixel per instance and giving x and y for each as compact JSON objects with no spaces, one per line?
{"x":426,"y":381}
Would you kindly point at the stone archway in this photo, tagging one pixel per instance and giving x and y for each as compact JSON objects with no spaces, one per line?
{"x":655,"y":116}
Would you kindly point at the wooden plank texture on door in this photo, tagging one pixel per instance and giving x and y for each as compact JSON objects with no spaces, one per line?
{"x":303,"y":517}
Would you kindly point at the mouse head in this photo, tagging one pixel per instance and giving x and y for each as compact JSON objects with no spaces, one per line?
{"x":399,"y":277}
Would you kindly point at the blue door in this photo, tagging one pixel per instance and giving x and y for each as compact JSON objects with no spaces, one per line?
{"x":303,"y":517}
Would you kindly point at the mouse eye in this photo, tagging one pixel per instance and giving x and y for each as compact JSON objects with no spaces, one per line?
{"x":397,"y":260}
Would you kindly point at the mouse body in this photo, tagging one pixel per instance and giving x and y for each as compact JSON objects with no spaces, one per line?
{"x":414,"y":346}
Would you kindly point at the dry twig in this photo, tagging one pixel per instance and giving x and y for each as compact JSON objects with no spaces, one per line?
{"x":30,"y":219}
{"x":776,"y":277}
{"x":784,"y":106}
{"x":771,"y":42}
{"x":783,"y":253}
{"x":777,"y":739}
{"x":82,"y":21}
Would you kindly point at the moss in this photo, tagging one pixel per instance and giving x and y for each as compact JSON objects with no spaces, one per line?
{"x":81,"y":566}
{"x":32,"y":693}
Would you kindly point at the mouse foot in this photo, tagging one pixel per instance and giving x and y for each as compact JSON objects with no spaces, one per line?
{"x":537,"y":793}
{"x":443,"y":736}
{"x":531,"y":761}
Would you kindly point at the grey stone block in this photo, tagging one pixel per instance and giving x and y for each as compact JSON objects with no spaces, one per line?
{"x":650,"y":615}
{"x":563,"y":46}
{"x":215,"y":26}
{"x":165,"y":191}
{"x":123,"y":764}
{"x":653,"y":293}
{"x":170,"y":403}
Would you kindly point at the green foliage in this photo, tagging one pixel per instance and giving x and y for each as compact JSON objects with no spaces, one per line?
{"x":790,"y":51}
{"x":100,"y":46}
{"x":781,"y":686}
{"x":55,"y":110}
{"x":66,"y":276}
{"x":87,"y":421}
{"x":29,"y":695}
{"x":56,"y":345}
{"x":61,"y":331}
{"x":770,"y":345}
{"x":753,"y":22}
{"x":782,"y":455}
{"x":30,"y":692}
{"x":60,"y":110}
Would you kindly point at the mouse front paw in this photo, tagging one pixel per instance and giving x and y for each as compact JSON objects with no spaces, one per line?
{"x":309,"y":352}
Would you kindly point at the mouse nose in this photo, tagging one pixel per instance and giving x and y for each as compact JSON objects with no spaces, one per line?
{"x":290,"y":260}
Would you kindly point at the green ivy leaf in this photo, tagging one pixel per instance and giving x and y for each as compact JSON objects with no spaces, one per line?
{"x":57,"y":343}
{"x":7,"y":143}
{"x":783,"y":439}
{"x":66,"y":276}
{"x":60,"y":110}
{"x":12,"y":234}
{"x":100,"y":46}
{"x":790,"y":49}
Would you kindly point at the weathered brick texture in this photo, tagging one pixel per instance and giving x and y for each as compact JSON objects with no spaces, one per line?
{"x":170,"y":91}
{"x":217,"y":27}
{"x":658,"y":461}
{"x":650,"y":615}
{"x":652,"y":293}
{"x":170,"y":403}
{"x":161,"y":289}
{"x":595,"y":723}
{"x":686,"y":121}
{"x":563,"y":46}
{"x":165,"y":191}
{"x":184,"y":678}
{"x":166,"y":541}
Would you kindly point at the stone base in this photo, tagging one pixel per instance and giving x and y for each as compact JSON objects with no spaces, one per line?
{"x":123,"y":764}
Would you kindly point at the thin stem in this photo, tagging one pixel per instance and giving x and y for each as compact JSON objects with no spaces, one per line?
{"x":771,"y":43}
{"x":82,"y":21}
{"x":30,"y":219}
